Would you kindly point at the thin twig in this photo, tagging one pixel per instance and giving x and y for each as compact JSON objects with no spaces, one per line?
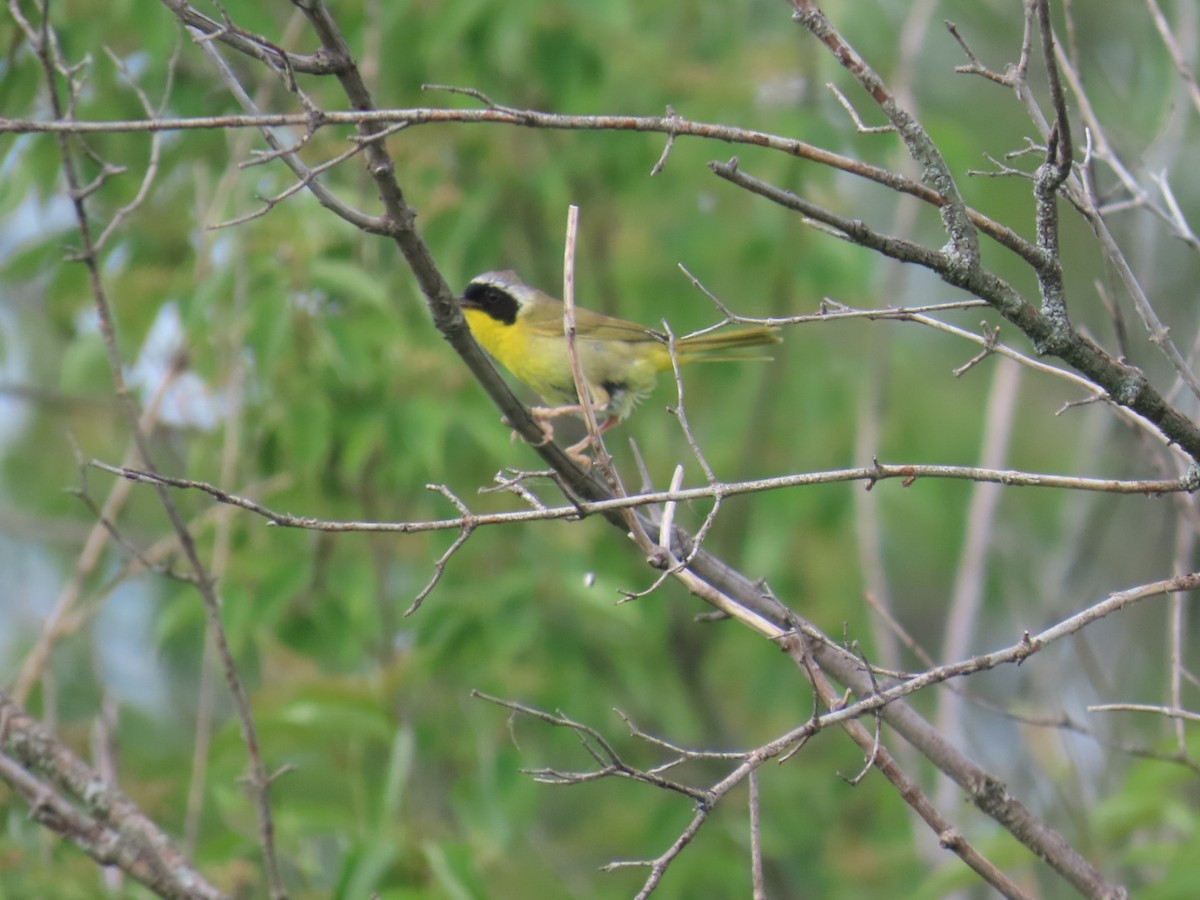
{"x":758,"y":887}
{"x":439,"y":567}
{"x":1167,"y":711}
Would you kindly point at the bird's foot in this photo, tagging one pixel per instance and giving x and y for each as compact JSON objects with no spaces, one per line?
{"x":547,"y":432}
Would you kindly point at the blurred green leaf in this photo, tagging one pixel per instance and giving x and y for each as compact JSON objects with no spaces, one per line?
{"x":396,"y":782}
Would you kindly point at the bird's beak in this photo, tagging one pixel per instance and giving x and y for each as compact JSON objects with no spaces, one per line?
{"x":468,"y":303}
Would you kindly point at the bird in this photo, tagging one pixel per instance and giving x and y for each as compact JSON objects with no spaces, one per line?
{"x":523,"y":329}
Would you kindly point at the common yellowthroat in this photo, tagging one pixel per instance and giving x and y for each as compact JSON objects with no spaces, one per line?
{"x":522,"y":328}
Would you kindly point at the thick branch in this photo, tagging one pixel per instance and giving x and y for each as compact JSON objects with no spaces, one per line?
{"x":71,"y":799}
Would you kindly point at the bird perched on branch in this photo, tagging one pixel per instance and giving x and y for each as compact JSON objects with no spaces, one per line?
{"x":522,"y":328}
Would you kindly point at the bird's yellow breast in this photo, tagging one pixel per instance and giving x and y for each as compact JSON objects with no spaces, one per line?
{"x":616,"y":370}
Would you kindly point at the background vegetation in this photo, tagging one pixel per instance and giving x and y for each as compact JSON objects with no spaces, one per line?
{"x":291,"y":358}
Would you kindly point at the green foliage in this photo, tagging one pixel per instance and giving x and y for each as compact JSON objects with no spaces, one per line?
{"x":333,"y":396}
{"x":1154,"y":819}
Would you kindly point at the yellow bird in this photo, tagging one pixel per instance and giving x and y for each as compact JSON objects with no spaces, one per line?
{"x":522,"y":328}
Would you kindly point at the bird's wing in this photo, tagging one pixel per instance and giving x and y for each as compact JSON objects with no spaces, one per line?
{"x":548,"y":322}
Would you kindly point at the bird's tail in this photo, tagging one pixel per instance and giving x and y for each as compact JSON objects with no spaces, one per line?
{"x":707,"y":346}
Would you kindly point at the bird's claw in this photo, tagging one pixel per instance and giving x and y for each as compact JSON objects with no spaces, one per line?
{"x":547,"y":431}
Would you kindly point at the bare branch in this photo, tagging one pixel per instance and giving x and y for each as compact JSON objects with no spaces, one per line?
{"x":1183,"y":67}
{"x":254,"y":46}
{"x":74,"y":801}
{"x":599,"y":748}
{"x":526,"y":118}
{"x":872,"y":474}
{"x":307,"y":178}
{"x":439,"y":567}
{"x":758,"y":884}
{"x":1124,"y":383}
{"x":861,"y":126}
{"x":89,"y":255}
{"x":1168,"y":711}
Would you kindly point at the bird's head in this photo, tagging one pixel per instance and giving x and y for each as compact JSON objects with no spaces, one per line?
{"x":500,"y":295}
